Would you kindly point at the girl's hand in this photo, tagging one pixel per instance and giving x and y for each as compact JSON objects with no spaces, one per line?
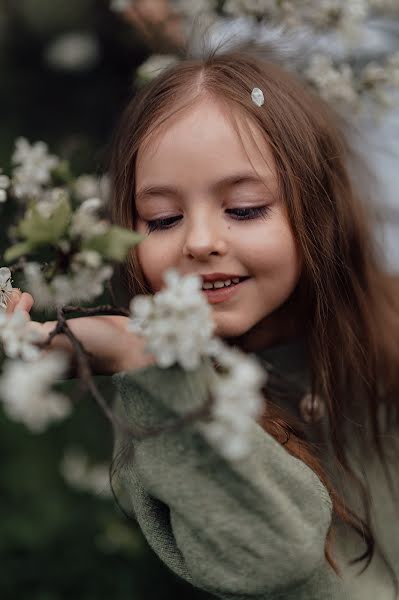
{"x":112,"y":348}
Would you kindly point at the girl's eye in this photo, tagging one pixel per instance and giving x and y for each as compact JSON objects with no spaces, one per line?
{"x":240,"y":214}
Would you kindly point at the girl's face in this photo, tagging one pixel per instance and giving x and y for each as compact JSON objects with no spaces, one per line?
{"x":211,"y":206}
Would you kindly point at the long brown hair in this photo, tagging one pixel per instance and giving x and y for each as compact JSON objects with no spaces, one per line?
{"x":351,"y":317}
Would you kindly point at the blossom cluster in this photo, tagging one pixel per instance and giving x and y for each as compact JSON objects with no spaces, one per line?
{"x":339,"y":83}
{"x":73,"y":51}
{"x":17,"y":336}
{"x":84,"y":281}
{"x":83,"y":476}
{"x":344,"y":81}
{"x":33,"y":167}
{"x":59,"y":217}
{"x":26,"y":382}
{"x":120,"y":5}
{"x":178,"y":327}
{"x":63,"y":216}
{"x":238,"y":400}
{"x":4,"y":185}
{"x":345,"y":16}
{"x":176,"y":321}
{"x":27,"y":394}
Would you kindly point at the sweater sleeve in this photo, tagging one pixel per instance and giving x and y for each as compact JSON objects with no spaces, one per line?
{"x":254,"y":527}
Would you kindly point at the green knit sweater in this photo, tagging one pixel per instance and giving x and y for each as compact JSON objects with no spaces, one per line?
{"x":252,"y":528}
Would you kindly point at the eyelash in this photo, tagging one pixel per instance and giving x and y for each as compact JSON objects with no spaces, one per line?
{"x":254,"y":211}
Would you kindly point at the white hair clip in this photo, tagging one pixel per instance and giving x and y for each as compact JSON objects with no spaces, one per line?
{"x":257,"y":97}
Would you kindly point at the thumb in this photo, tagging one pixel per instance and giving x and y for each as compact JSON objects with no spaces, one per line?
{"x":25,"y":303}
{"x":13,"y":301}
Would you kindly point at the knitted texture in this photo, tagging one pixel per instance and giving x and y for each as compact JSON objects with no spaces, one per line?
{"x":253,"y":528}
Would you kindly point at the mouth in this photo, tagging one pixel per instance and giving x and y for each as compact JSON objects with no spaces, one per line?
{"x":225,"y":293}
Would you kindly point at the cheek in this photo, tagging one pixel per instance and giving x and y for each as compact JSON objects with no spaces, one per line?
{"x":274,"y":253}
{"x":154,"y":258}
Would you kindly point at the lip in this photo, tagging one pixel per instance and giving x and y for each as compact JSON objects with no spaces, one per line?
{"x":211,"y":277}
{"x":223,"y":294}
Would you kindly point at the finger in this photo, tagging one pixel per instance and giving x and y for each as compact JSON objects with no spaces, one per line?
{"x":13,"y":301}
{"x":25,"y":302}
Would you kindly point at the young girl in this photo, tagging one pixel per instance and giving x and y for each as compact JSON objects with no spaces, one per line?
{"x":226,"y":187}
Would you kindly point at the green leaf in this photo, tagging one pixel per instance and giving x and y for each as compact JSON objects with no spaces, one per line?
{"x":40,"y":230}
{"x":16,"y":251}
{"x":115,"y":243}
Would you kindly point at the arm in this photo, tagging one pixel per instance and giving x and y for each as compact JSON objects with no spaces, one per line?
{"x":248,"y":528}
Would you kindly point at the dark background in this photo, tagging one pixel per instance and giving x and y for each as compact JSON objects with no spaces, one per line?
{"x":58,"y":541}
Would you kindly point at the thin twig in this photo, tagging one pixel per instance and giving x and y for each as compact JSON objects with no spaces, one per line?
{"x":85,"y":375}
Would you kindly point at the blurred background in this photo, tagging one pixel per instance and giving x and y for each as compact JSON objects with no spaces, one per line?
{"x":67,"y":69}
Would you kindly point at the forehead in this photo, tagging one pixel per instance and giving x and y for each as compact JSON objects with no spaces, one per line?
{"x":203,"y":142}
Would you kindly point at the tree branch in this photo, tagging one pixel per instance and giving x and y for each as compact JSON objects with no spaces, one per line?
{"x":86,"y":376}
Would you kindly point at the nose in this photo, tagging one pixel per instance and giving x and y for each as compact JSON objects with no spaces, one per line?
{"x":204,"y":238}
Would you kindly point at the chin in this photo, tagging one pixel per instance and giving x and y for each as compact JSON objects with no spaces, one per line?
{"x":223,"y":330}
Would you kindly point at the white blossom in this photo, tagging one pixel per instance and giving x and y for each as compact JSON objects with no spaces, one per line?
{"x":37,"y":285}
{"x":55,"y":194}
{"x":384,"y":6}
{"x":85,"y":221}
{"x":85,"y":186}
{"x":346,"y":17}
{"x":64,"y":245}
{"x":89,"y":186}
{"x":237,"y":400}
{"x":5,"y":288}
{"x":154,"y":65}
{"x":18,"y":338}
{"x":192,"y":8}
{"x":81,"y":475}
{"x":339,"y":84}
{"x":88,"y":258}
{"x":73,"y":51}
{"x":4,"y":185}
{"x":176,"y":321}
{"x":26,"y":391}
{"x":335,"y":84}
{"x":50,"y":201}
{"x":33,"y":168}
{"x":255,"y":8}
{"x":120,"y":5}
{"x":392,"y":67}
{"x":379,"y":80}
{"x":83,"y":283}
{"x":373,"y":74}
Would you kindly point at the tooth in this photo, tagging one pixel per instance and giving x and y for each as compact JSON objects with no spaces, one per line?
{"x":235,"y":279}
{"x":227,"y":282}
{"x":207,"y":285}
{"x":218,"y":284}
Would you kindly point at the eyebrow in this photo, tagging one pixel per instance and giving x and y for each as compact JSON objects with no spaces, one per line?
{"x":171,"y":190}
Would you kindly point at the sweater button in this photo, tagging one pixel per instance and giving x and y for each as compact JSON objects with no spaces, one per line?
{"x":312,"y":409}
